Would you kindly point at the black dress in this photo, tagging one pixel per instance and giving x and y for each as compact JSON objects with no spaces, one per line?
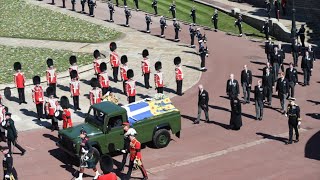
{"x":236,"y":119}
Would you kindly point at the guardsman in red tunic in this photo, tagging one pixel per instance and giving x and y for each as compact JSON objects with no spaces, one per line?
{"x":19,"y":80}
{"x":52,"y":76}
{"x":135,"y":157}
{"x":179,"y":74}
{"x":104,"y":78}
{"x":158,"y":77}
{"x":3,"y":111}
{"x":96,"y":62}
{"x":123,"y":71}
{"x":106,"y":165}
{"x":52,"y":106}
{"x":38,"y":96}
{"x":145,"y":66}
{"x":114,"y":61}
{"x":131,"y":87}
{"x":96,"y":92}
{"x":66,"y":115}
{"x":75,"y":89}
{"x":73,"y":65}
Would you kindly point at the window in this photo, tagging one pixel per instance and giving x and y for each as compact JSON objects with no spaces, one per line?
{"x":115,"y":121}
{"x":96,"y":117}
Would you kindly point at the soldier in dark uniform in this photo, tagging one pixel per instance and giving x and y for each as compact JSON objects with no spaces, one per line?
{"x":148,"y":21}
{"x":294,"y":120}
{"x":268,"y":7}
{"x":83,"y":3}
{"x":127,"y":12}
{"x":155,"y":6}
{"x":12,"y":134}
{"x":277,"y":9}
{"x":295,"y":47}
{"x":192,"y":32}
{"x":193,"y":15}
{"x":236,"y":117}
{"x":106,"y":165}
{"x":282,"y":57}
{"x":232,"y":88}
{"x":203,"y":99}
{"x":276,"y":61}
{"x":179,"y":74}
{"x":136,"y":2}
{"x":268,"y":85}
{"x":163,"y":25}
{"x":292,"y":77}
{"x":9,"y":171}
{"x":301,"y":34}
{"x":268,"y":49}
{"x":283,"y":89}
{"x":259,"y":98}
{"x":73,"y":2}
{"x":246,"y":81}
{"x":266,"y":29}
{"x":177,"y":28}
{"x":238,"y":23}
{"x":203,"y":51}
{"x":214,"y":19}
{"x":111,"y":10}
{"x":307,"y":66}
{"x":172,"y":8}
{"x":92,"y":4}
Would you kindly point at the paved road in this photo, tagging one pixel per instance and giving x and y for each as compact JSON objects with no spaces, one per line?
{"x":209,"y":151}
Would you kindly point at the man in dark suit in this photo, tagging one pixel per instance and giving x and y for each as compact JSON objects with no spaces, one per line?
{"x":246,"y":81}
{"x":203,"y":99}
{"x":276,"y":61}
{"x":258,"y":98}
{"x":268,"y":85}
{"x":292,"y":77}
{"x":282,"y":89}
{"x":295,"y":48}
{"x":268,"y":66}
{"x":282,"y":56}
{"x":307,"y":66}
{"x":268,"y":49}
{"x":232,"y":88}
{"x":12,"y":134}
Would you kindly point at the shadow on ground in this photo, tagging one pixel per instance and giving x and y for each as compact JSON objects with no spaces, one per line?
{"x":312,"y":147}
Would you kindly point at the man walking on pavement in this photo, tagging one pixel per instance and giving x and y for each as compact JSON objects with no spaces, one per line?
{"x":9,"y":172}
{"x":276,"y":61}
{"x":307,"y":66}
{"x":246,"y":81}
{"x":282,"y":89}
{"x":203,"y":99}
{"x":268,"y":49}
{"x":268,"y":85}
{"x":294,"y":120}
{"x":232,"y":88}
{"x":259,"y":98}
{"x":292,"y":77}
{"x":295,"y":46}
{"x":126,"y":147}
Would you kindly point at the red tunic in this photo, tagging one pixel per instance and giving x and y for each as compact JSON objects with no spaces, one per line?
{"x":75,"y":88}
{"x":37,"y":94}
{"x":131,"y":87}
{"x":96,"y":66}
{"x":95,"y":96}
{"x":51,"y":76}
{"x":19,"y":79}
{"x":66,"y":116}
{"x":123,"y":72}
{"x":179,"y":73}
{"x":158,"y":79}
{"x":104,"y":80}
{"x":135,"y":148}
{"x":110,"y":176}
{"x":51,"y":106}
{"x":145,"y":65}
{"x":114,"y":59}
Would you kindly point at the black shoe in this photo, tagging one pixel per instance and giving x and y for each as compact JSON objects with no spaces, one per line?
{"x":196,"y":122}
{"x":207,"y":121}
{"x":79,"y":109}
{"x":25,"y":102}
{"x":23,"y":152}
{"x":296,"y":141}
{"x":289,"y":142}
{"x":257,"y":119}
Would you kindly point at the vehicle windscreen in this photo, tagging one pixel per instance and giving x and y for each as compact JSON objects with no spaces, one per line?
{"x":95,"y":118}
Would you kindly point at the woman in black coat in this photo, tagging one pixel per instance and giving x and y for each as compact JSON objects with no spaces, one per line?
{"x":236,"y":119}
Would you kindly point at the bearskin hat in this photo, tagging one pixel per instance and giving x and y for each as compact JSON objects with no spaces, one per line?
{"x":130,"y":73}
{"x":17,"y":66}
{"x":158,"y":65}
{"x":124,"y":59}
{"x":103,"y":66}
{"x":49,"y":62}
{"x":50,"y":91}
{"x":96,"y":53}
{"x":36,"y":80}
{"x":177,"y":60}
{"x":145,"y":53}
{"x":113,"y":46}
{"x":72,"y":59}
{"x":64,"y":102}
{"x":94,"y":82}
{"x":106,"y":164}
{"x":73,"y":74}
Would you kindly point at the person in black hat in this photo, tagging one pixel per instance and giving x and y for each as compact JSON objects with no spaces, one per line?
{"x":172,"y":8}
{"x":179,"y":74}
{"x":145,"y":66}
{"x":52,"y":76}
{"x":158,"y":77}
{"x":155,"y":6}
{"x":177,"y":28}
{"x":111,"y":10}
{"x":12,"y":134}
{"x":203,"y":99}
{"x":193,"y":15}
{"x":148,"y":21}
{"x":92,"y":4}
{"x":96,"y":92}
{"x":106,"y":165}
{"x":163,"y":25}
{"x":131,"y":87}
{"x":66,"y":115}
{"x":127,"y":13}
{"x":214,"y":19}
{"x":104,"y":78}
{"x":123,"y":72}
{"x":192,"y":33}
{"x":38,"y":96}
{"x":9,"y":171}
{"x":75,"y":89}
{"x":114,"y":61}
{"x":19,"y":80}
{"x":73,"y":65}
{"x":294,"y":119}
{"x":52,"y":106}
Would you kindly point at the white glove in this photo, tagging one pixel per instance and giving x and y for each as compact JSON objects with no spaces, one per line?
{"x":7,"y":176}
{"x":123,"y":151}
{"x":299,"y":123}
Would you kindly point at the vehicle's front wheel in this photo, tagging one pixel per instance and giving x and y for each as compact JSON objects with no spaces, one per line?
{"x":161,"y":138}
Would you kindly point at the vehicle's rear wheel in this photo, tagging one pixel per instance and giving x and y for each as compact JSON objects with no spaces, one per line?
{"x":94,"y":158}
{"x":161,"y":138}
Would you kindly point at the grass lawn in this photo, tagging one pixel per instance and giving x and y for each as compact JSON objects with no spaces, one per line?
{"x":33,"y":61}
{"x":203,"y":13}
{"x":22,"y":20}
